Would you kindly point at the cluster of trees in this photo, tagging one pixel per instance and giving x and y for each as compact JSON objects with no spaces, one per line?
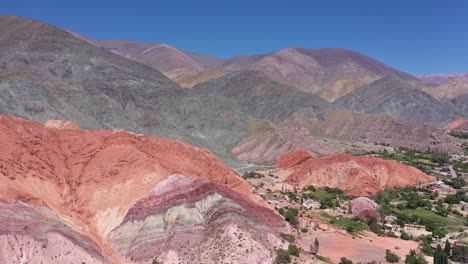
{"x":441,"y":256}
{"x":456,"y":183}
{"x":252,"y":175}
{"x":456,"y":198}
{"x":457,"y":253}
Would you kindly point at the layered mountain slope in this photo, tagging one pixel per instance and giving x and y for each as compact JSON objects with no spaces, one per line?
{"x":262,"y":98}
{"x":170,"y":61}
{"x":32,"y":233}
{"x":188,"y":220}
{"x":338,"y":130}
{"x":357,"y":175}
{"x":103,"y":183}
{"x":49,"y":74}
{"x":398,"y":98}
{"x":451,"y":89}
{"x":176,"y":64}
{"x":192,"y":80}
{"x":330,"y":73}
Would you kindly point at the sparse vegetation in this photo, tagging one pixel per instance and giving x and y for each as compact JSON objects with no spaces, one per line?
{"x":288,"y":237}
{"x":414,"y":258}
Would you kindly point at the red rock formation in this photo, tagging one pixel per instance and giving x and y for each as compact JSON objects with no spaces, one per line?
{"x":357,"y":175}
{"x":459,"y":125}
{"x":293,"y":158}
{"x":91,"y":179}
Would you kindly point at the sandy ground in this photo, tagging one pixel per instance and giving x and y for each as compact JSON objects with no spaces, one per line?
{"x":367,"y":247}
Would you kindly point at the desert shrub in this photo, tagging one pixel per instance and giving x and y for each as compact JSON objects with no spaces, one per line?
{"x":344,"y":260}
{"x":304,"y":230}
{"x":391,"y":257}
{"x":293,"y":250}
{"x":282,"y":257}
{"x":288,"y":237}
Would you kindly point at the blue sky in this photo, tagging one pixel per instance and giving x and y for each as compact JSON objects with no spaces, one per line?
{"x":416,"y":36}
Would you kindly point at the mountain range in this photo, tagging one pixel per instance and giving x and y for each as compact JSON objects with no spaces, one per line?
{"x":48,"y":73}
{"x":329,"y":73}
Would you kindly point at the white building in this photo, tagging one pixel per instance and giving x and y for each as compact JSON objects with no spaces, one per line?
{"x":310,"y":204}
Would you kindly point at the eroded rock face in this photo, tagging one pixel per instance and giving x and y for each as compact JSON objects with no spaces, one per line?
{"x":188,"y":220}
{"x":357,"y":175}
{"x":95,"y":183}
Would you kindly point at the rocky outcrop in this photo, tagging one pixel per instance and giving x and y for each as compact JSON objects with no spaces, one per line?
{"x":95,"y":182}
{"x":357,"y":175}
{"x":364,"y":208}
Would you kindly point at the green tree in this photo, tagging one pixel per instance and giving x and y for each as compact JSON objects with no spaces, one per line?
{"x":447,"y":248}
{"x":439,"y":256}
{"x":316,"y":245}
{"x":291,"y":215}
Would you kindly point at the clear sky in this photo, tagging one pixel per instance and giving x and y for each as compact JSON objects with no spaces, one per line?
{"x":416,"y":36}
